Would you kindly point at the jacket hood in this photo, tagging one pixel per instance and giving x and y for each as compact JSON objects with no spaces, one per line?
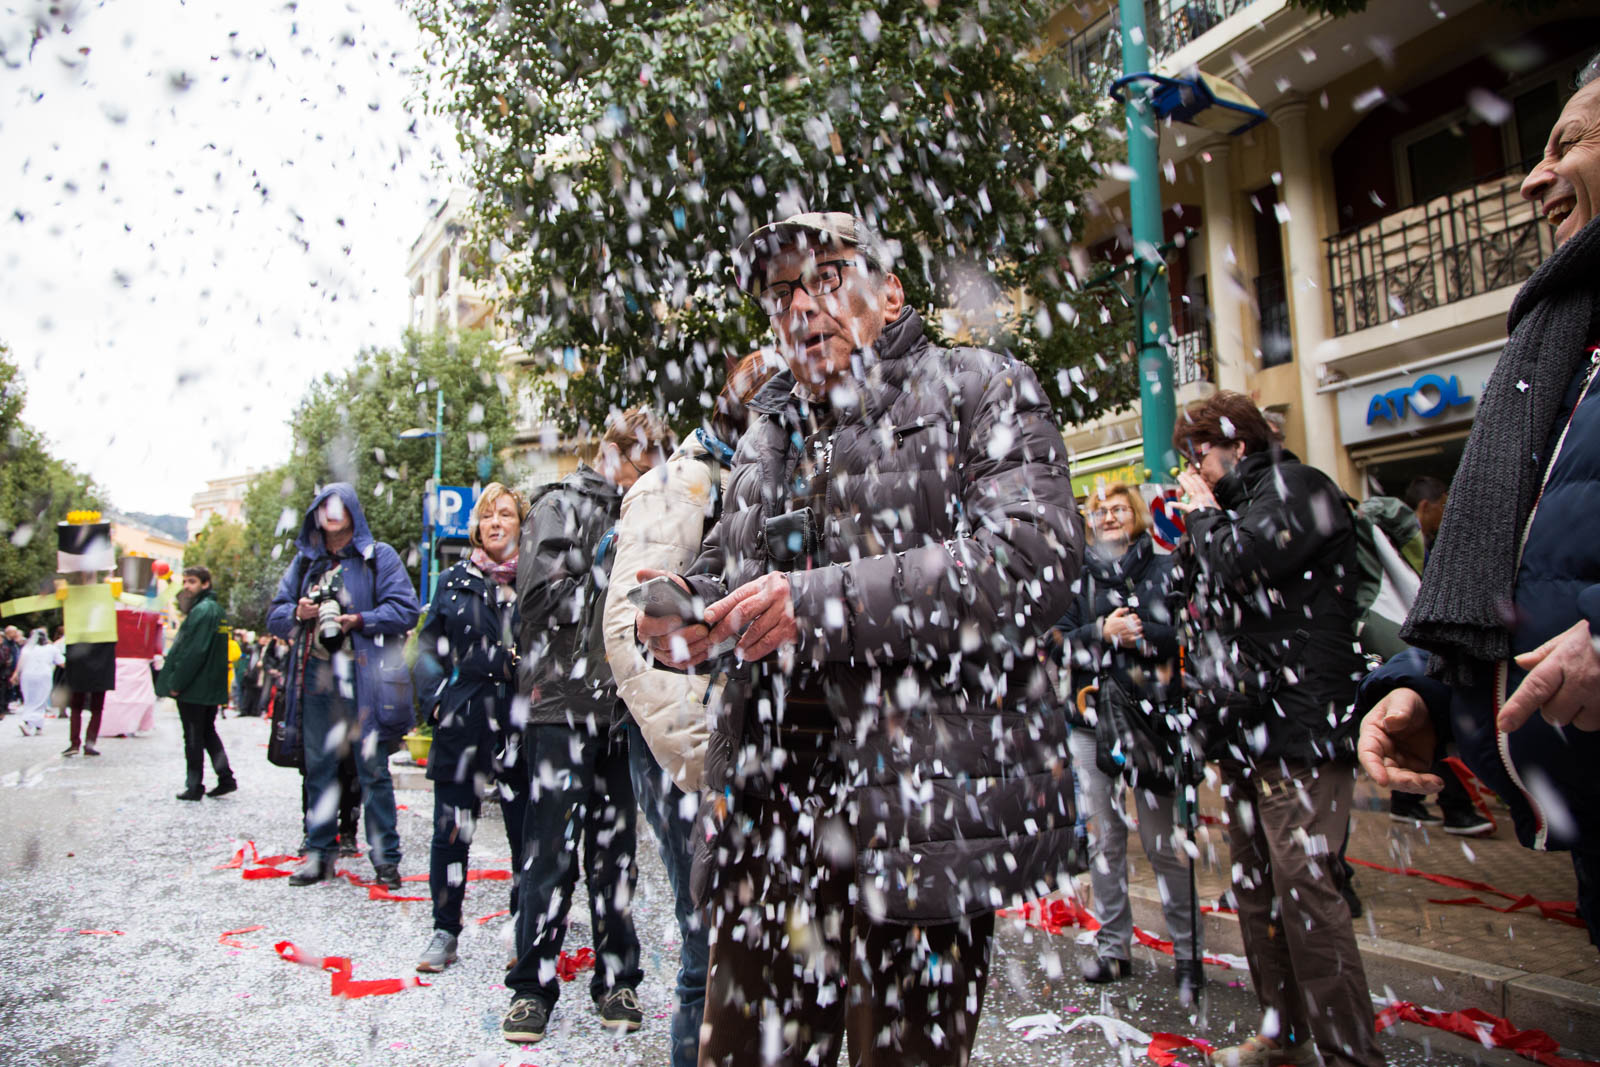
{"x":310,"y":540}
{"x":588,"y":481}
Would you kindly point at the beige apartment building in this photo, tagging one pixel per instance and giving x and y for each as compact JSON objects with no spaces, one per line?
{"x":450,"y":292}
{"x":1357,"y":253}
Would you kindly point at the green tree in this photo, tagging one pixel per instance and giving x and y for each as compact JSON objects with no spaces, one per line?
{"x":347,"y":429}
{"x":37,"y":490}
{"x":621,"y":151}
{"x":221,"y":547}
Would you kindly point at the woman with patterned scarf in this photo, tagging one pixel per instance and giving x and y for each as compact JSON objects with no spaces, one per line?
{"x":465,"y":679}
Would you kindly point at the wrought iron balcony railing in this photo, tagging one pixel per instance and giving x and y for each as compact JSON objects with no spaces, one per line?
{"x":1457,"y":245}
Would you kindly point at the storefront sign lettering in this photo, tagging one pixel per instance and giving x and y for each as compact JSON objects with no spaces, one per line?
{"x":1428,"y":397}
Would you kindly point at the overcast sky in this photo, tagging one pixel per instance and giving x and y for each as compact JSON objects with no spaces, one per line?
{"x":205,"y":206}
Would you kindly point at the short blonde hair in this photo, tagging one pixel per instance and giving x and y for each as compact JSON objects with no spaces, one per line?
{"x":486,"y":502}
{"x":1141,"y":512}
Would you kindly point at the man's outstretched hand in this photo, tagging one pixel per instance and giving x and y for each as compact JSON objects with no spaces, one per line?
{"x":1397,"y":744}
{"x":1563,"y":683}
{"x":759,"y":613}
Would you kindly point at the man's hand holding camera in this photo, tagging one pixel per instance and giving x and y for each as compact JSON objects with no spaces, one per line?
{"x":758,"y":614}
{"x":306,"y":609}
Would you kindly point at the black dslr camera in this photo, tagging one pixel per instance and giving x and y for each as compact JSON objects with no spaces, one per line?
{"x":324,"y":592}
{"x":792,"y":538}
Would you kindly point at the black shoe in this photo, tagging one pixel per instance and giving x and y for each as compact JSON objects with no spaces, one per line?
{"x":311,"y":871}
{"x":621,"y":1011}
{"x":386,"y":875}
{"x":347,"y":843}
{"x":1467,"y":824}
{"x":1105,"y":969}
{"x":1408,"y":808}
{"x":1190,"y":977}
{"x":524,"y":1022}
{"x":90,"y":750}
{"x":1348,"y":891}
{"x":192,"y":794}
{"x":222,"y":789}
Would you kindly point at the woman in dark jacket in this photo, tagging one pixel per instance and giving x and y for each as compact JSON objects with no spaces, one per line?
{"x":1118,"y":628}
{"x":465,"y":674}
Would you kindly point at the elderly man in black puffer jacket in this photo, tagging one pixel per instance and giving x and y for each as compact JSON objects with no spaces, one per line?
{"x":888,"y":766}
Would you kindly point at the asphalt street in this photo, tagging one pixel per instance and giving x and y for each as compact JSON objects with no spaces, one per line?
{"x":117,"y":948}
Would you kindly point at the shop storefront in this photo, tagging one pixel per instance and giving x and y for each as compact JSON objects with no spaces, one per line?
{"x":1414,"y":420}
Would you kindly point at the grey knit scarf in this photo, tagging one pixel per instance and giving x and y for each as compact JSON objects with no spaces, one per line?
{"x":1462,"y":609}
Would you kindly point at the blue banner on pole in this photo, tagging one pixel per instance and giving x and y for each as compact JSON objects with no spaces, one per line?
{"x":455,"y":511}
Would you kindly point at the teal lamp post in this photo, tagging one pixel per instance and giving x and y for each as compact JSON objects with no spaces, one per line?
{"x":431,"y":511}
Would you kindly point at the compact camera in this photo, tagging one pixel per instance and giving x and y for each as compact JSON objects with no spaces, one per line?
{"x":324,"y":592}
{"x":792,"y":538}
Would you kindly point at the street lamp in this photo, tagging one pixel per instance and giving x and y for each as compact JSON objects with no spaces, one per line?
{"x":431,"y":508}
{"x":1196,"y":100}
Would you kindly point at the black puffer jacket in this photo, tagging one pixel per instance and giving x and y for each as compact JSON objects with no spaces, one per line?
{"x":464,"y":678}
{"x":951,"y":522}
{"x":1272,"y":577}
{"x":1138,"y":580}
{"x":561,"y":591}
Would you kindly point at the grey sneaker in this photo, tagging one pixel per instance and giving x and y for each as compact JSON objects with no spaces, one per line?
{"x":524,"y":1022}
{"x":620,"y":1010}
{"x":440,"y":953}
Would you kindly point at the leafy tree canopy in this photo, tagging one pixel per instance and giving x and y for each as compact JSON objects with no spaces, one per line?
{"x":347,"y":428}
{"x":36,"y":491}
{"x":622,"y":150}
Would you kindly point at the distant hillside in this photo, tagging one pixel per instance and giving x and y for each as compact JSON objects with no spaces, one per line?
{"x":172,"y":525}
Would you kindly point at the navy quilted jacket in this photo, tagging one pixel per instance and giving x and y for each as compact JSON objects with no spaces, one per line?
{"x":1546,"y":775}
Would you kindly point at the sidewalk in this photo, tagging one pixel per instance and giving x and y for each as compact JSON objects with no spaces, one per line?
{"x":1538,"y":972}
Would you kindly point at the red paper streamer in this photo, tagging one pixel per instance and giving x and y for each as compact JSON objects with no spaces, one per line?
{"x":340,"y":967}
{"x":1053,"y":916}
{"x":238,"y":857}
{"x":253,"y":873}
{"x":568,"y":967}
{"x":1560,"y":910}
{"x":1469,"y":782}
{"x":1486,"y":1029}
{"x":1164,"y":1047}
{"x":472,"y":876}
{"x":493,"y":915}
{"x":102,"y":933}
{"x":228,"y":936}
{"x":1149,"y":940}
{"x":378,"y":892}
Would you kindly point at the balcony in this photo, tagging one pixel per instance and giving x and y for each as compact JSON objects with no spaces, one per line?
{"x":1458,"y":245}
{"x":1175,"y":23}
{"x":1094,"y":55}
{"x":1191,"y":352}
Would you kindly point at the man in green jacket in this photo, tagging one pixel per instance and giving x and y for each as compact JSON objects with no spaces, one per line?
{"x":196,"y":676}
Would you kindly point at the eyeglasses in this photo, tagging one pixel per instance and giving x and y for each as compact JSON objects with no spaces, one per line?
{"x":1121,"y":511}
{"x":823,"y":278}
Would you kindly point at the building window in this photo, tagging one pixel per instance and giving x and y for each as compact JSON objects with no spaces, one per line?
{"x":1271,"y":288}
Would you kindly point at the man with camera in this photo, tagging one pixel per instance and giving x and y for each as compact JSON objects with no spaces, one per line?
{"x":346,"y":604}
{"x":888,"y":766}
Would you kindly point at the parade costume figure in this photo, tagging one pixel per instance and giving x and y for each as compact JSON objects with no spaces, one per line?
{"x":89,"y":611}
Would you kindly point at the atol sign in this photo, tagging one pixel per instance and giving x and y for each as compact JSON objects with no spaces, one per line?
{"x":1445,"y":394}
{"x":1429,"y":397}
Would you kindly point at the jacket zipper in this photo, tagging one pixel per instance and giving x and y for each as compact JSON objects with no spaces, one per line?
{"x":1502,"y":669}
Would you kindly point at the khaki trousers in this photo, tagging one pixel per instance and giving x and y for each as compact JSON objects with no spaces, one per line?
{"x":1285,"y":832}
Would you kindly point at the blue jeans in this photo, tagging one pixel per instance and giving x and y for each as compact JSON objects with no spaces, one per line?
{"x":662,"y":803}
{"x":579,"y":796}
{"x":456,"y":807}
{"x":332,"y":728}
